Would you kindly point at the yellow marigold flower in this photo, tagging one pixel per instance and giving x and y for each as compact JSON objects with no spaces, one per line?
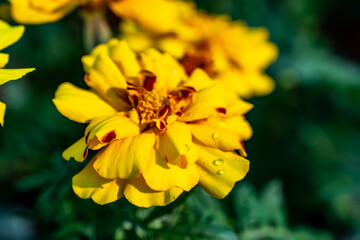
{"x":8,"y":36}
{"x":159,"y":131}
{"x":229,"y":51}
{"x":154,"y":15}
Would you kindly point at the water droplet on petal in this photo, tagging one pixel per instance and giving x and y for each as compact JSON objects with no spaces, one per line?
{"x":216,"y":135}
{"x":221,"y":172}
{"x":218,"y":162}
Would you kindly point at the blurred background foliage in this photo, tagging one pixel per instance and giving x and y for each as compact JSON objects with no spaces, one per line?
{"x":304,"y":181}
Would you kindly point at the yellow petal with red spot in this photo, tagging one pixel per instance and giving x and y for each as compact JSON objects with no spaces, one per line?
{"x":162,"y":176}
{"x":80,"y":105}
{"x":206,"y":104}
{"x":176,"y":146}
{"x":219,"y":171}
{"x":88,"y":184}
{"x":126,"y":158}
{"x":109,"y":129}
{"x":140,"y":194}
{"x":77,"y":151}
{"x":169,"y":73}
{"x":2,"y":113}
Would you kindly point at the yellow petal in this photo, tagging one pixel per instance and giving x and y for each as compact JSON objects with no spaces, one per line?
{"x":169,"y":73}
{"x":172,"y":45}
{"x":247,"y":83}
{"x":247,"y":47}
{"x":162,"y":176}
{"x":24,"y":12}
{"x":138,"y":40}
{"x":219,"y":171}
{"x":80,"y":105}
{"x":9,"y":34}
{"x":206,"y":103}
{"x":2,"y":113}
{"x":13,"y":74}
{"x":240,"y":126}
{"x":50,"y":6}
{"x":138,"y":193}
{"x":214,"y":133}
{"x":199,"y":80}
{"x":106,"y":78}
{"x":235,"y":81}
{"x":88,"y":184}
{"x":89,"y":60}
{"x":238,"y":107}
{"x":261,"y":83}
{"x":125,"y":59}
{"x":176,"y":146}
{"x":118,"y":126}
{"x":4,"y":58}
{"x":126,"y":158}
{"x":77,"y":151}
{"x":157,"y":15}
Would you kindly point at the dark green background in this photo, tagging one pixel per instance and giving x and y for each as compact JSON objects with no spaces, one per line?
{"x":304,"y":181}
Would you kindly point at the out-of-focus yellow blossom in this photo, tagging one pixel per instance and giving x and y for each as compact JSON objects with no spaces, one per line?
{"x":227,"y":50}
{"x":155,"y":15}
{"x":159,"y":131}
{"x":8,"y":36}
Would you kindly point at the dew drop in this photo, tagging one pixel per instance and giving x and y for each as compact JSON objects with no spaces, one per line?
{"x":216,"y":135}
{"x":218,"y":162}
{"x":221,"y":172}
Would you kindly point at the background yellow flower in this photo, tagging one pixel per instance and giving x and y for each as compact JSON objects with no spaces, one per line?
{"x":155,"y":15}
{"x":160,"y":132}
{"x":229,"y":51}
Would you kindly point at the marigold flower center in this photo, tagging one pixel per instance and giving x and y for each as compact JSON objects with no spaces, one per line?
{"x":149,"y":104}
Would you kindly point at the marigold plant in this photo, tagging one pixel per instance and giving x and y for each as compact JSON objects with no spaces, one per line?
{"x":8,"y":36}
{"x":227,"y":50}
{"x":159,"y":132}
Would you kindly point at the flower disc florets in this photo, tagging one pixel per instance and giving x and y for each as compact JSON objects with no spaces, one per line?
{"x":159,"y":131}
